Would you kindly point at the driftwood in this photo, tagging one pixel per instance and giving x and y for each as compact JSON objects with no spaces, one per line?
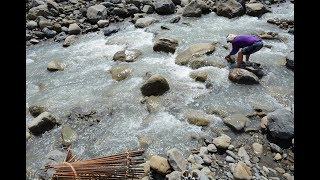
{"x":125,"y":165}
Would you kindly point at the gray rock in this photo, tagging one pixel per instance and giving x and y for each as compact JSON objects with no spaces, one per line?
{"x":176,"y":160}
{"x":242,"y":76}
{"x":96,"y":13}
{"x":275,"y":148}
{"x":229,"y":8}
{"x":153,"y":102}
{"x":103,"y":23}
{"x":110,"y":30}
{"x":69,"y":40}
{"x":197,"y":117}
{"x":256,"y":9}
{"x":193,"y":9}
{"x":236,"y":121}
{"x":198,"y":159}
{"x":28,"y":135}
{"x":144,"y":22}
{"x":55,"y":66}
{"x":290,"y":60}
{"x":230,"y":159}
{"x":156,"y":85}
{"x":194,"y":51}
{"x":32,"y":25}
{"x":42,"y":123}
{"x":127,"y":55}
{"x":281,"y":124}
{"x":164,"y":7}
{"x":120,"y":72}
{"x":168,"y":45}
{"x":68,"y":135}
{"x":230,"y":153}
{"x":36,"y":110}
{"x":173,"y":175}
{"x":147,"y":9}
{"x":74,"y":29}
{"x":34,"y":41}
{"x":60,"y":37}
{"x":39,"y":34}
{"x":242,"y":153}
{"x":41,"y":10}
{"x":49,"y":33}
{"x":121,"y":12}
{"x":207,"y":160}
{"x":212,"y":148}
{"x":203,"y":151}
{"x":175,"y":19}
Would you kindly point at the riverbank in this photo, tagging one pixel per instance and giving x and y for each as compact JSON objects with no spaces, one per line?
{"x":251,"y":153}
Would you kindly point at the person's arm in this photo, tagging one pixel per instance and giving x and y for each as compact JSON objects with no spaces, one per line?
{"x":234,"y":50}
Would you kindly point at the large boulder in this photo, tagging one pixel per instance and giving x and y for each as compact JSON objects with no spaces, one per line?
{"x":176,"y":160}
{"x":96,"y":13}
{"x":41,"y":10}
{"x":193,"y":9}
{"x":229,"y":8}
{"x":120,"y":72}
{"x":281,"y":124}
{"x":127,"y":55}
{"x":168,"y":45}
{"x":198,"y":118}
{"x":156,"y":85}
{"x":193,"y":52}
{"x":55,"y":66}
{"x":242,"y":76}
{"x":144,"y":22}
{"x":236,"y":121}
{"x":164,"y":7}
{"x":256,"y":9}
{"x":42,"y":123}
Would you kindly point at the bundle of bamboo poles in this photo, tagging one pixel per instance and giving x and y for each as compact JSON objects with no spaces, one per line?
{"x":125,"y":165}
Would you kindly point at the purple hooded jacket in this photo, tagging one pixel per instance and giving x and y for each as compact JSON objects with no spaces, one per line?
{"x":242,"y":41}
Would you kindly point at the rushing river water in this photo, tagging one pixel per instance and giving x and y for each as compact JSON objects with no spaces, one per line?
{"x":86,"y":82}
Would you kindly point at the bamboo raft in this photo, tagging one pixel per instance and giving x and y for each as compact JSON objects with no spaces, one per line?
{"x":123,"y":166}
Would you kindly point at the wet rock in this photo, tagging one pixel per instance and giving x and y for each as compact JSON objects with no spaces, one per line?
{"x":41,"y":10}
{"x":156,"y":85}
{"x":144,"y":22}
{"x":242,"y":171}
{"x":192,"y":9}
{"x":194,"y":51}
{"x":153,"y":102}
{"x":68,"y":135}
{"x":103,"y":23}
{"x":290,"y":60}
{"x":236,"y":121}
{"x":28,"y":135}
{"x":49,"y":33}
{"x":74,"y":29}
{"x":69,"y":40}
{"x":164,"y":7}
{"x":168,"y":45}
{"x":229,"y":159}
{"x":160,"y":164}
{"x":175,"y":19}
{"x":34,"y":41}
{"x":42,"y":123}
{"x":199,"y":75}
{"x":60,"y":37}
{"x":55,"y":66}
{"x":176,"y":160}
{"x":110,"y":30}
{"x":96,"y":13}
{"x":256,"y":9}
{"x":242,"y":76}
{"x":222,"y":141}
{"x":120,"y":72}
{"x":229,"y":8}
{"x":198,"y":118}
{"x":281,"y":124}
{"x":36,"y":110}
{"x":39,"y":34}
{"x":121,"y":12}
